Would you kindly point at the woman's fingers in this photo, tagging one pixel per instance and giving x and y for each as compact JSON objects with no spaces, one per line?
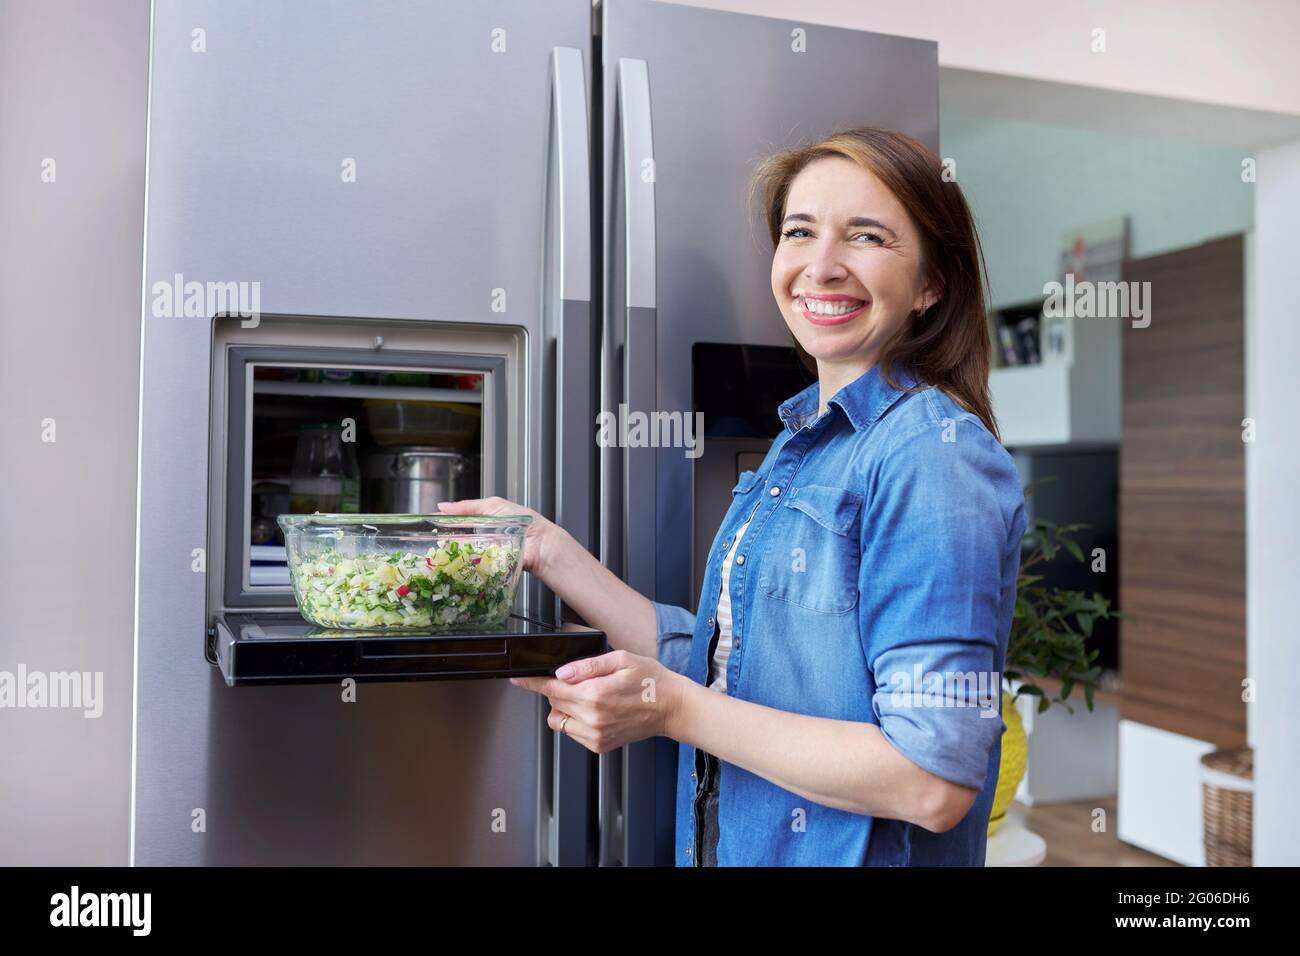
{"x":537,"y":529}
{"x":588,"y":667}
{"x":471,"y":506}
{"x":496,"y":505}
{"x":574,"y":728}
{"x":558,"y":692}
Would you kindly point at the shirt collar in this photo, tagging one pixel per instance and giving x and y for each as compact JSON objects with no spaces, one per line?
{"x":863,"y":400}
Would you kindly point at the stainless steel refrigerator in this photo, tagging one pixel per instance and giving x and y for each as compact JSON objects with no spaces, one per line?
{"x":540,"y":197}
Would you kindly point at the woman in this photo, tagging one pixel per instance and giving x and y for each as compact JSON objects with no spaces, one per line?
{"x":837,"y":696}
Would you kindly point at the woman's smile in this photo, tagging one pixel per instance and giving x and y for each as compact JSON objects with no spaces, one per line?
{"x":822,"y":309}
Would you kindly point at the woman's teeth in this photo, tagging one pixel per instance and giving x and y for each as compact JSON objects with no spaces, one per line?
{"x":819,"y":307}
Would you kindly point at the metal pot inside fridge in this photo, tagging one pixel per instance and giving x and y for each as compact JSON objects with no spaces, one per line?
{"x":413,"y":479}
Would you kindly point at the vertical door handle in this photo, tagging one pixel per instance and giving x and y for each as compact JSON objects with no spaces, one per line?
{"x":566,"y":314}
{"x":626,"y":778}
{"x":570,"y":205}
{"x":640,"y":315}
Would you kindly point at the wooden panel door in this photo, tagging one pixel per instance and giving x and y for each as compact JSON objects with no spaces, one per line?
{"x":1182,"y":497}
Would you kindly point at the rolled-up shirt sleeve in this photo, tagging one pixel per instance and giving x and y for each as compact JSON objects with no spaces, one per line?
{"x":934,"y":560}
{"x":675,"y":626}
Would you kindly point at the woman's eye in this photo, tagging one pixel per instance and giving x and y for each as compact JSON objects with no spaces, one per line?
{"x":798,"y":232}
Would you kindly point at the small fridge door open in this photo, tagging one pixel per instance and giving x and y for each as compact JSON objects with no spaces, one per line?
{"x":360,"y":416}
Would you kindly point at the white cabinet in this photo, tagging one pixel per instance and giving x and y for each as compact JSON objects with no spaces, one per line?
{"x":1076,"y":401}
{"x":1159,"y":805}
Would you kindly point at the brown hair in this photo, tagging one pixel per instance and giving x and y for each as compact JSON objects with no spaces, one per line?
{"x":948,"y":345}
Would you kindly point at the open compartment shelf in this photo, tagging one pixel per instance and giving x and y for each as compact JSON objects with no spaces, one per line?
{"x":283,"y":648}
{"x":322,"y":408}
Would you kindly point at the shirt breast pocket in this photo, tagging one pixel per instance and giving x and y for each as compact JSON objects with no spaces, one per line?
{"x":745,"y":483}
{"x":814,"y":559}
{"x":743,"y":493}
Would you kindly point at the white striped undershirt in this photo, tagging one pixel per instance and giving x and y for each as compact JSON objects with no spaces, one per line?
{"x":722,"y":652}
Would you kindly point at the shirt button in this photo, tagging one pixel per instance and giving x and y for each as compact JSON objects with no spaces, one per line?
{"x":776,"y":490}
{"x":726,"y":544}
{"x":740,"y":559}
{"x":710,"y":623}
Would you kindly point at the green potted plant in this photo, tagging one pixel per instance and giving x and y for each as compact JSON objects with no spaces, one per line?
{"x":1050,"y":628}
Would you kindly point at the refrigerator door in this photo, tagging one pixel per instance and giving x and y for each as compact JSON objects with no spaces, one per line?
{"x":692,"y":98}
{"x":386,"y":160}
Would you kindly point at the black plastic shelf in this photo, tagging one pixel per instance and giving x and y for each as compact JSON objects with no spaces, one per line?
{"x":283,"y":648}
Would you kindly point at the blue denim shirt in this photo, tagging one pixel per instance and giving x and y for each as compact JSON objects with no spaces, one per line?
{"x":875,"y":583}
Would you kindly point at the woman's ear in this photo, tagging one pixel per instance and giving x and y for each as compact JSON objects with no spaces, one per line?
{"x":928,"y":297}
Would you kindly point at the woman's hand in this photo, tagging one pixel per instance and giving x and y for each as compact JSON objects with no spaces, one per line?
{"x":579,"y":580}
{"x":611,"y":700}
{"x":542,"y":539}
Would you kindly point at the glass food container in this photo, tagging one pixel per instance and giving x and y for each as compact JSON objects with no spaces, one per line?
{"x":404,"y":572}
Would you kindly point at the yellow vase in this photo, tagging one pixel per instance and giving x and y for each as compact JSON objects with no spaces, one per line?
{"x":1011,"y":768}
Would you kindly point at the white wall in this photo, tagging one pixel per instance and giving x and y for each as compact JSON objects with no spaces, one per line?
{"x":73,"y":87}
{"x":1273,"y":508}
{"x":1029,"y":182}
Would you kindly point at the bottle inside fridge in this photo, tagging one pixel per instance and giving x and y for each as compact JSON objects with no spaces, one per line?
{"x":325,"y":472}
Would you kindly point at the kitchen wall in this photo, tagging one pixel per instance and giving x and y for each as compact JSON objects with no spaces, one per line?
{"x":73,"y":90}
{"x":1028,"y":182}
{"x":1273,"y":509}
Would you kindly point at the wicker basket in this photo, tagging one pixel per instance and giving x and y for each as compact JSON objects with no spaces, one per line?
{"x":1228,"y":797}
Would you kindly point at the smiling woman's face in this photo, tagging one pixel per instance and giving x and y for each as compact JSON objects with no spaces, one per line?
{"x":847,"y":270}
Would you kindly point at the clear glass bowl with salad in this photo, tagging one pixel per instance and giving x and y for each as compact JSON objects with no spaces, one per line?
{"x":404,"y":572}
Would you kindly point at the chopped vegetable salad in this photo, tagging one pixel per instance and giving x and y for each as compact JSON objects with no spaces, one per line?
{"x":454,"y":583}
